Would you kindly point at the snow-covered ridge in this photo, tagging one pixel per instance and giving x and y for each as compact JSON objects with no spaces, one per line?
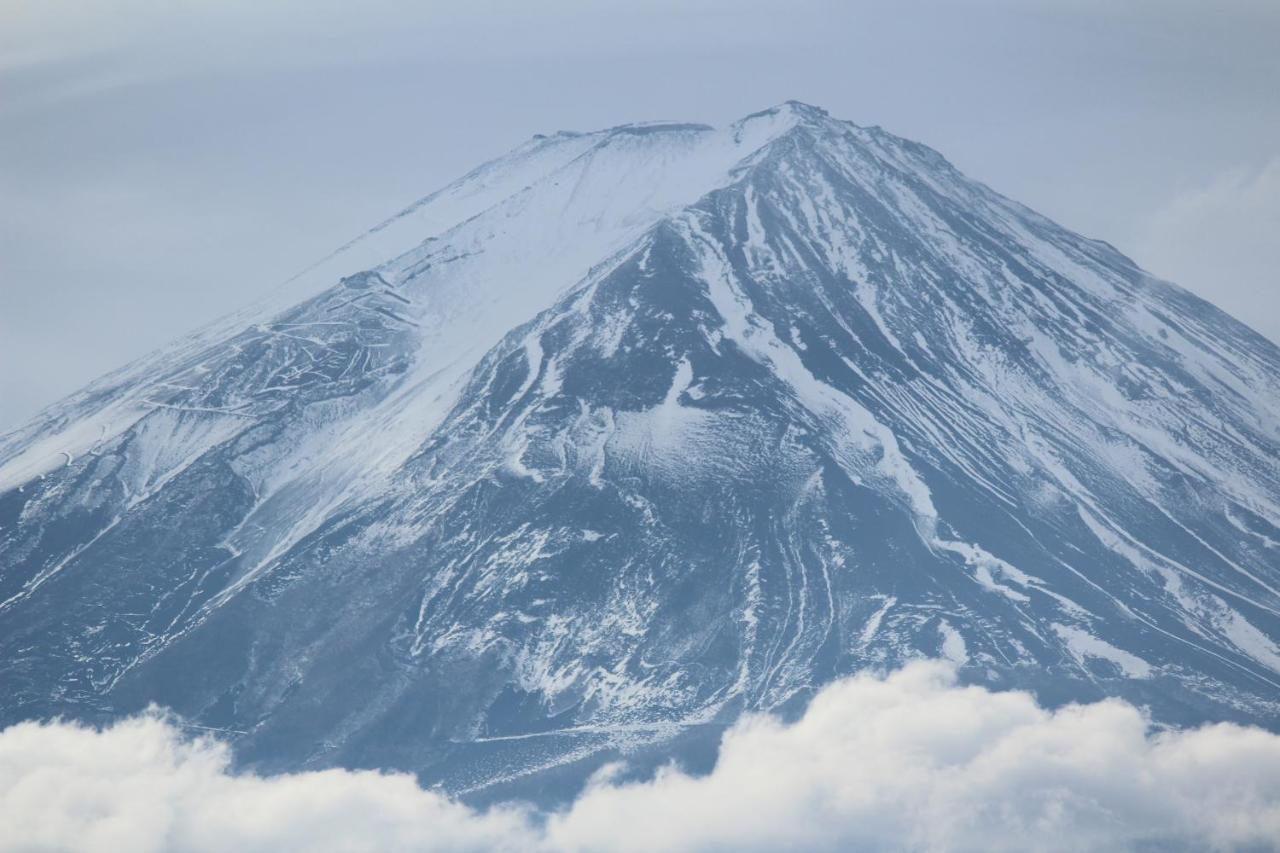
{"x":618,"y":182}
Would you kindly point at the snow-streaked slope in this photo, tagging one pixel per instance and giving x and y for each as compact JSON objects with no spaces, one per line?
{"x":628,"y":432}
{"x":552,"y":208}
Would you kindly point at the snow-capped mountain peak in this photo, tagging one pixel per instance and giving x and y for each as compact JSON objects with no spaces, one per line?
{"x":627,"y":432}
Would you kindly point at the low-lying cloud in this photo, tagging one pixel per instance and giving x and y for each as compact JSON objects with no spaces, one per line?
{"x":911,"y":761}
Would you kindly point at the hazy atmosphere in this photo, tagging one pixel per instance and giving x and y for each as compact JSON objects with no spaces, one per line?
{"x":624,"y":426}
{"x":162,"y":164}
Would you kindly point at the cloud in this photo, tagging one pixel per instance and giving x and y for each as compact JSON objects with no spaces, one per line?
{"x":142,"y":786}
{"x":915,"y":762}
{"x":1220,"y":240}
{"x":911,"y":761}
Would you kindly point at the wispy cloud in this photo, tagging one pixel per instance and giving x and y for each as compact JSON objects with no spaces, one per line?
{"x":1221,"y":239}
{"x":911,"y":761}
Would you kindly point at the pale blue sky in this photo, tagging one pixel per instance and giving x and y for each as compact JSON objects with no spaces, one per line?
{"x":164,"y":163}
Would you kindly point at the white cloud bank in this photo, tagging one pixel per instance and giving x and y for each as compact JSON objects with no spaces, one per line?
{"x":907,"y":762}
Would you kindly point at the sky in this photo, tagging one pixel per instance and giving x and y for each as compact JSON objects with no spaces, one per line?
{"x":165,"y":163}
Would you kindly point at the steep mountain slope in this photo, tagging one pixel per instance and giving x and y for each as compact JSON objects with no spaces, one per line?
{"x":640,"y":429}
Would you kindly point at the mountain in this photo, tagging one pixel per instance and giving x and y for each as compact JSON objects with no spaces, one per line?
{"x":627,"y":433}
